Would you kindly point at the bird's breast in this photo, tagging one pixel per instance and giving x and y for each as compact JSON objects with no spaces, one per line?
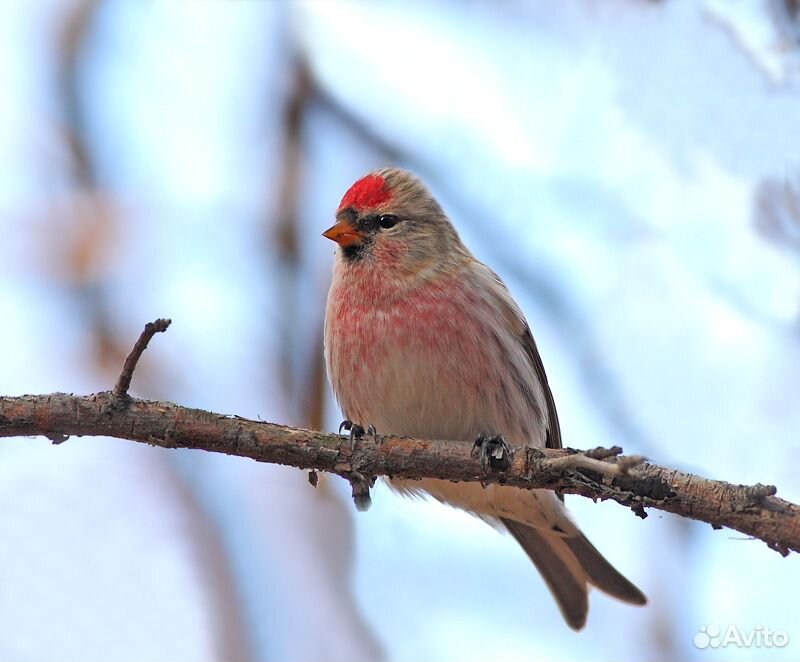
{"x":425,"y":364}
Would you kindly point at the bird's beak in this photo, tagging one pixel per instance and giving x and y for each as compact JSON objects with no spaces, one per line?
{"x":343,"y":234}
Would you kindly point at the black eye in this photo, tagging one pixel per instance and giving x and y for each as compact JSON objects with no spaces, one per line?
{"x":387,"y":221}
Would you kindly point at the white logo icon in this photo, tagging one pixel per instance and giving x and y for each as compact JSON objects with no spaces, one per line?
{"x":708,"y":636}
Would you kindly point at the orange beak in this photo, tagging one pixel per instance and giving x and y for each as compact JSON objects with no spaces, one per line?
{"x":343,"y":234}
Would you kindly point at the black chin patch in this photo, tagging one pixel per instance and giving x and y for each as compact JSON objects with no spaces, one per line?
{"x":355,"y":252}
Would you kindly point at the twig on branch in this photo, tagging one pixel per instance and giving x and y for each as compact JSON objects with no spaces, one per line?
{"x":597,"y":474}
{"x":589,"y":460}
{"x":124,"y":382}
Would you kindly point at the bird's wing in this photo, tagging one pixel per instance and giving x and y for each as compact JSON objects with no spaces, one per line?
{"x":553,"y":428}
{"x":516,"y":321}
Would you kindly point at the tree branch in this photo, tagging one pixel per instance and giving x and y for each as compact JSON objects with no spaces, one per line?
{"x":596,"y":474}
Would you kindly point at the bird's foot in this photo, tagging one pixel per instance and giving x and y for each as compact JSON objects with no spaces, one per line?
{"x":357,"y":431}
{"x":493,"y":452}
{"x":360,"y":483}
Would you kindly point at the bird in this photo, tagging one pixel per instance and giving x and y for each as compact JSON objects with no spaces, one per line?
{"x":423,"y":340}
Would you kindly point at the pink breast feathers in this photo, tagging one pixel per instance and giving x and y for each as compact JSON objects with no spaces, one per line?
{"x":367,"y":193}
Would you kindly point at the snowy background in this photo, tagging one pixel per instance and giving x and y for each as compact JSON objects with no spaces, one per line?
{"x":631,"y":168}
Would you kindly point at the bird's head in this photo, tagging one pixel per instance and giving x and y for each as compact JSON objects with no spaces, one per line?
{"x":389,"y":219}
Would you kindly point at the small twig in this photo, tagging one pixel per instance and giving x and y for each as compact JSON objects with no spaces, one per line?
{"x":759,"y":492}
{"x":57,"y":438}
{"x":601,"y":453}
{"x":588,"y":460}
{"x":124,"y":382}
{"x":360,"y":485}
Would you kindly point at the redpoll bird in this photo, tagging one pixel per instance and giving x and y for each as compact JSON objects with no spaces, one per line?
{"x":423,"y":340}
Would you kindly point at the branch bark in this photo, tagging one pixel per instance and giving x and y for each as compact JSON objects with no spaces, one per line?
{"x":597,"y":474}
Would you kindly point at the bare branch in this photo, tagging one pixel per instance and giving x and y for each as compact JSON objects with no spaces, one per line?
{"x":599,"y":473}
{"x":752,"y":510}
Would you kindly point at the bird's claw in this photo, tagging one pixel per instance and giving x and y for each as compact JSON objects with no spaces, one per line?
{"x":346,"y":425}
{"x":493,"y":451}
{"x":361,"y":484}
{"x":357,"y":431}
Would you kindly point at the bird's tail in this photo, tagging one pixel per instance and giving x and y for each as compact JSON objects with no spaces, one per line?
{"x":569,"y":564}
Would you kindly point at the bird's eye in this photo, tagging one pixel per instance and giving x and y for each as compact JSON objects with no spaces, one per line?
{"x":387,"y":221}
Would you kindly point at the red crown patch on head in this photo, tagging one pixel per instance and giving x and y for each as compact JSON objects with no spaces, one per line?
{"x":367,"y":192}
